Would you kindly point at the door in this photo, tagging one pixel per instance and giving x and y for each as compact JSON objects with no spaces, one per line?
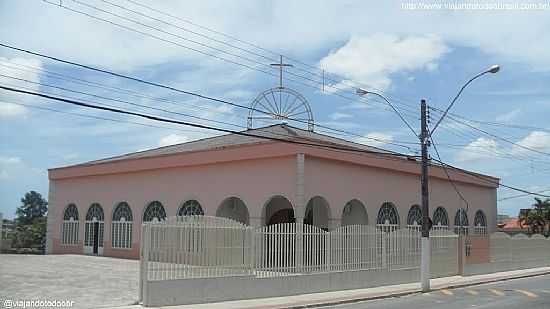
{"x":96,"y":238}
{"x":93,"y":237}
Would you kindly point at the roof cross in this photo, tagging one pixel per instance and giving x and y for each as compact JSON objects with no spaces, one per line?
{"x":281,"y":65}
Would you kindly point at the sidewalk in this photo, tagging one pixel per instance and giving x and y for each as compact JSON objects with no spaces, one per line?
{"x":350,"y":296}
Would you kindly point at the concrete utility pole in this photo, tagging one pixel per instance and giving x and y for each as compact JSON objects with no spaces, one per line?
{"x":426,"y":226}
{"x":425,"y":136}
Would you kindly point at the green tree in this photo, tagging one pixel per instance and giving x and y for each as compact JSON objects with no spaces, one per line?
{"x":537,"y":218}
{"x":33,"y":206}
{"x":31,"y":235}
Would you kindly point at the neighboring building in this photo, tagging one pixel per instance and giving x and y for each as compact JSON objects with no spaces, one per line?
{"x":7,"y":229}
{"x":98,"y":207}
{"x":502,"y":218}
{"x":512,"y":226}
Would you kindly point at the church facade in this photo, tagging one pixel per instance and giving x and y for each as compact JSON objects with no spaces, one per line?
{"x":98,"y":207}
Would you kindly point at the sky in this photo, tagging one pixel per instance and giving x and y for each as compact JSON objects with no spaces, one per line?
{"x":402,"y":50}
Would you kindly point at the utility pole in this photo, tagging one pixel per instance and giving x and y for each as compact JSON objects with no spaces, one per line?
{"x":426,"y":222}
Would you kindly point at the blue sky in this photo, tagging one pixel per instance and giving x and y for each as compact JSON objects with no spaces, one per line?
{"x":404,"y":54}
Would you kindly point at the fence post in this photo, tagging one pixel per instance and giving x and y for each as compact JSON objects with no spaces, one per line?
{"x":299,"y":246}
{"x":144,"y":261}
{"x":251,"y":250}
{"x":2,"y":233}
{"x":328,"y":249}
{"x":141,"y":266}
{"x":461,"y":254}
{"x":385,"y":239}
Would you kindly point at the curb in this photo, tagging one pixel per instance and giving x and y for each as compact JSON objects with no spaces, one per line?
{"x":405,"y":293}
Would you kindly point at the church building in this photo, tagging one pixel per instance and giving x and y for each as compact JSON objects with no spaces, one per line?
{"x":291,"y":175}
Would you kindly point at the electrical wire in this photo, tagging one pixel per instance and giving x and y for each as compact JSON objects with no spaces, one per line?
{"x":243,"y":133}
{"x":449,"y":176}
{"x":202,"y":52}
{"x":100,"y":117}
{"x":171,"y":88}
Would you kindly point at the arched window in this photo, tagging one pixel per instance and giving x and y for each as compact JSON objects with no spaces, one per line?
{"x":191,"y":208}
{"x":440,"y":219}
{"x":234,"y":208}
{"x":93,"y":216}
{"x":69,"y":227}
{"x":480,"y":223}
{"x":317,"y":212}
{"x":414,"y":218}
{"x":154,"y":212}
{"x":278,"y":210}
{"x":461,"y":222}
{"x":121,"y":227}
{"x":354,"y":213}
{"x":388,"y":218}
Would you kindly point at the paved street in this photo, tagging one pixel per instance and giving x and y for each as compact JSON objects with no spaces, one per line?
{"x":528,"y":293}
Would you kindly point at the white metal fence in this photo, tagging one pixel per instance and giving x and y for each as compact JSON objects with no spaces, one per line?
{"x":205,"y":247}
{"x":195,"y":247}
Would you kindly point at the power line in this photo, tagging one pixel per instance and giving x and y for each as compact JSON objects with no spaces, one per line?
{"x":99,"y":117}
{"x":488,"y":150}
{"x":243,"y":133}
{"x":381,"y":155}
{"x":520,"y":195}
{"x":196,"y":50}
{"x":449,"y":176}
{"x":485,"y":179}
{"x":170,"y":88}
{"x":193,"y":116}
{"x":494,"y":136}
{"x":121,"y":101}
{"x":87,"y":83}
{"x":322,"y":72}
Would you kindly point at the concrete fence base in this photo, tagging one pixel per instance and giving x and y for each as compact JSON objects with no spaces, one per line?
{"x":205,"y":290}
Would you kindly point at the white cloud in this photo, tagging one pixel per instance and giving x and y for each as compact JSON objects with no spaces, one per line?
{"x":8,"y":165}
{"x":376,"y":139}
{"x":372,"y":59}
{"x":509,"y":116}
{"x":9,"y":160}
{"x":338,"y":116}
{"x":478,"y":150}
{"x":536,"y":140}
{"x":271,"y":24}
{"x":172,"y":139}
{"x":11,"y":110}
{"x":21,"y":69}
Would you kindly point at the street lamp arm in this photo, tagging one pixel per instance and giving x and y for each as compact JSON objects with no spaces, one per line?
{"x":363,"y":92}
{"x":493,"y":69}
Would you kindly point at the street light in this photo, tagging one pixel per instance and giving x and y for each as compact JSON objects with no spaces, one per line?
{"x":424,"y":137}
{"x":493,"y":69}
{"x":363,"y":92}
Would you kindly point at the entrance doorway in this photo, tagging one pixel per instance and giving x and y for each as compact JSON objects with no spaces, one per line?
{"x":93,"y":230}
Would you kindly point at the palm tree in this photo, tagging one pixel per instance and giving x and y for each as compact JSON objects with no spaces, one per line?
{"x":537,"y":218}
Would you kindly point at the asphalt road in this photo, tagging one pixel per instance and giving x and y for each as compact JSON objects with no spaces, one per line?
{"x":526,"y":293}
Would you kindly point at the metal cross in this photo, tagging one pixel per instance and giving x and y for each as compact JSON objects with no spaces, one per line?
{"x":281,"y":65}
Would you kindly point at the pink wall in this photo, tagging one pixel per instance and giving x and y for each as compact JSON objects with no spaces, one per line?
{"x":253,"y":181}
{"x":254,"y":173}
{"x":339,"y":182}
{"x":479,"y":252}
